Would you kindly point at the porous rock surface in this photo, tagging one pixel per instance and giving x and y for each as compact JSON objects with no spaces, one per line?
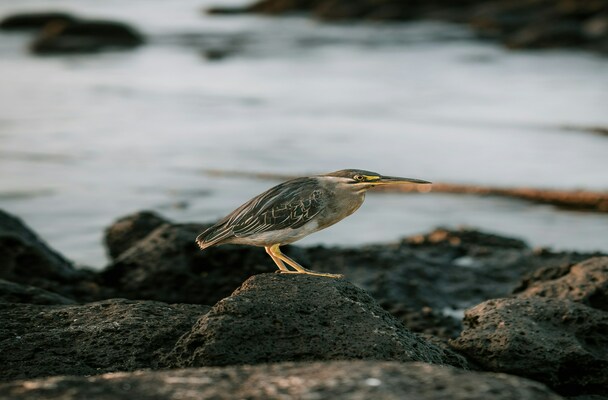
{"x":585,"y":282}
{"x":283,"y":317}
{"x":554,"y":331}
{"x":110,"y":335}
{"x":354,"y":380}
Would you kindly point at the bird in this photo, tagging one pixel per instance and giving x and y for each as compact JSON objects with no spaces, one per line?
{"x":294,"y":209}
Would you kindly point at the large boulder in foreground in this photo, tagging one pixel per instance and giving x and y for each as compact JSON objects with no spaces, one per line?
{"x":111,"y":335}
{"x":554,"y":331}
{"x":354,"y":380}
{"x":284,"y":317}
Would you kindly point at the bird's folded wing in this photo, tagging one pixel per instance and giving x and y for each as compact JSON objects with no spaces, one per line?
{"x":289,"y":205}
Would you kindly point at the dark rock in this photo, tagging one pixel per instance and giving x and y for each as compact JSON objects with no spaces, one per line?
{"x":34,"y":21}
{"x":112,"y":335}
{"x":445,"y":271}
{"x":11,"y":292}
{"x":281,"y":317}
{"x":85,"y":37}
{"x":168,"y":266}
{"x":127,"y":231}
{"x":283,"y":6}
{"x":217,"y":54}
{"x":425,"y":320}
{"x":517,"y":23}
{"x":356,"y":380}
{"x":557,"y":342}
{"x":223,"y":10}
{"x":586,"y":283}
{"x":26,"y":259}
{"x":547,"y":35}
{"x":466,"y":238}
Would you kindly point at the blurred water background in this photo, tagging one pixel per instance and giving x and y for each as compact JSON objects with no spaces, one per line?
{"x":85,"y":139}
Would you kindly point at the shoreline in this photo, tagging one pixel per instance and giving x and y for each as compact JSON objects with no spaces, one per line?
{"x":579,"y":200}
{"x":163,"y":304}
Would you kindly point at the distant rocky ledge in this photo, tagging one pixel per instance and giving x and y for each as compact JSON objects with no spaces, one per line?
{"x":528,"y":24}
{"x":63,"y":33}
{"x":166,"y":320}
{"x":582,"y":200}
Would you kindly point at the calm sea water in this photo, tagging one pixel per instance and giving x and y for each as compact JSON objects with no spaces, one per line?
{"x":87,"y":139}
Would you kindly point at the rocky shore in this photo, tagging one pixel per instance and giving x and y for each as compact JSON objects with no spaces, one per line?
{"x":518,"y":24}
{"x":166,"y":320}
{"x":64,"y":33}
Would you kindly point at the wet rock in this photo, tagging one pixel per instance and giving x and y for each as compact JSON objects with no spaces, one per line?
{"x":168,"y":266}
{"x":34,"y":21}
{"x":11,"y":292}
{"x":26,"y":259}
{"x":558,"y":342}
{"x":282,"y":317}
{"x":111,"y":335}
{"x":356,"y":380}
{"x":586,"y":283}
{"x":85,"y":36}
{"x":128,"y":230}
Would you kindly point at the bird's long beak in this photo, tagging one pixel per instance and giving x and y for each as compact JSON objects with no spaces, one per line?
{"x":392,"y":180}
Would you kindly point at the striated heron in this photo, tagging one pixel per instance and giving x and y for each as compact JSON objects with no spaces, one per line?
{"x":295,"y":209}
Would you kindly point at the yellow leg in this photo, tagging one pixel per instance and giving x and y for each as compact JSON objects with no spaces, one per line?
{"x":277,"y":261}
{"x":275,"y":252}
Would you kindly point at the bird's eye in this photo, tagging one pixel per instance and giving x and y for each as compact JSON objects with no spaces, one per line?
{"x":358,"y":178}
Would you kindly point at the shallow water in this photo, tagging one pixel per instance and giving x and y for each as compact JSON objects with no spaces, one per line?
{"x":86,"y":139}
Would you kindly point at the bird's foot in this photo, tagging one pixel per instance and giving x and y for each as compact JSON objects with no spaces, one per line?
{"x":308,"y":272}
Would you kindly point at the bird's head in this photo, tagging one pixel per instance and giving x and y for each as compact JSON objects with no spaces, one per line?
{"x":361,"y":180}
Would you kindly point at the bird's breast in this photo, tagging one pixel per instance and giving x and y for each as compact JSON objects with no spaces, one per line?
{"x":339,"y":206}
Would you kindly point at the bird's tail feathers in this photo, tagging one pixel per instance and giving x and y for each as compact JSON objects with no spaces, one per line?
{"x":209,"y":238}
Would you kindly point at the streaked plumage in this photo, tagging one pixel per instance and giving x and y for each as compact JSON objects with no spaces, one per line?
{"x":293,"y":210}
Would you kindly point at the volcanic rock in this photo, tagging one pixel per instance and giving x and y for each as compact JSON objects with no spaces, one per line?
{"x":554,"y":341}
{"x":26,"y":259}
{"x":586,"y":282}
{"x":355,"y":380}
{"x":168,"y":266}
{"x":111,"y":335}
{"x":128,"y":230}
{"x":282,"y":317}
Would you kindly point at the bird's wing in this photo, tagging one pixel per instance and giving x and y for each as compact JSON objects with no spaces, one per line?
{"x":288,"y":205}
